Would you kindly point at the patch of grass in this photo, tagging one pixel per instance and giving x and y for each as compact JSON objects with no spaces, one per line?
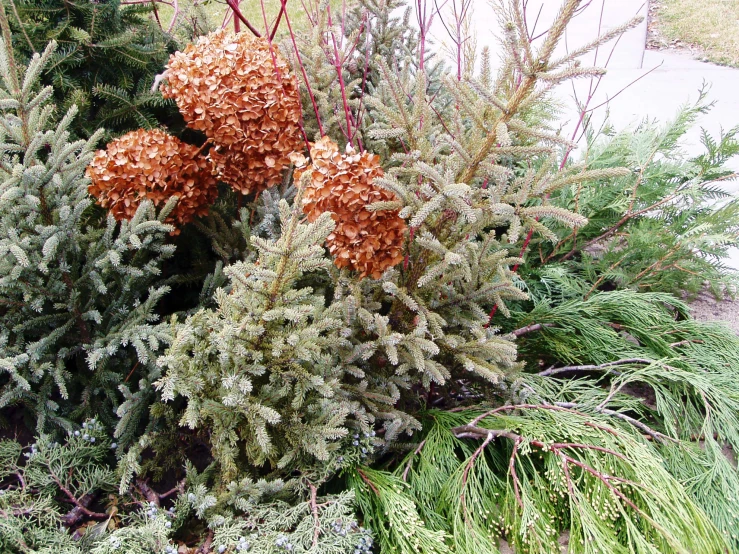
{"x":712,"y":25}
{"x":252,"y":10}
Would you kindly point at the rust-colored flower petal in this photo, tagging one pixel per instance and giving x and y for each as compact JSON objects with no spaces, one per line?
{"x":239,"y":91}
{"x":155,"y":166}
{"x":364,"y":241}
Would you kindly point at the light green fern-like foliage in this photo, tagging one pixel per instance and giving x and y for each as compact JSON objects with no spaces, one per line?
{"x":533,"y":471}
{"x":78,"y":291}
{"x":666,"y":226}
{"x":639,"y":360}
{"x":394,"y":514}
{"x":615,"y":435}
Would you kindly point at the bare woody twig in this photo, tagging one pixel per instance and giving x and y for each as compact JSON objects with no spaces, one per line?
{"x":314,"y":511}
{"x":153,"y":496}
{"x":656,"y":435}
{"x":530,"y":329}
{"x":565,"y":407}
{"x":410,"y":462}
{"x":80,"y":505}
{"x":593,"y":367}
{"x":149,"y":493}
{"x":71,"y":518}
{"x":205,"y":547}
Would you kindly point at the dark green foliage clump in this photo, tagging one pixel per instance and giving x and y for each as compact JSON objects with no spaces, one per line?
{"x":107,"y":58}
{"x":79,"y":290}
{"x":50,"y":486}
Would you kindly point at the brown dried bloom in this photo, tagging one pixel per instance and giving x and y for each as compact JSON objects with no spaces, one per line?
{"x":238,"y":169}
{"x":152,"y":165}
{"x":239,"y":91}
{"x":364,"y":241}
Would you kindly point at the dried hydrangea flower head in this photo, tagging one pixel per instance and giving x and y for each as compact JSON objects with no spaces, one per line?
{"x":239,"y":91}
{"x":152,"y":165}
{"x":365,"y":241}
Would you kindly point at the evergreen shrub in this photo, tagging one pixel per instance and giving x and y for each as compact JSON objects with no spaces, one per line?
{"x":430,"y":327}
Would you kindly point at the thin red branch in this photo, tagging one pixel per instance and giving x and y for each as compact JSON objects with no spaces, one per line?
{"x":471,"y":432}
{"x":585,"y":109}
{"x":131,"y":372}
{"x":468,"y":467}
{"x":370,"y":483}
{"x":266,"y":25}
{"x":237,"y":13}
{"x":514,"y":475}
{"x":566,"y":469}
{"x":625,"y":87}
{"x":179,"y":488}
{"x":172,"y":22}
{"x":575,"y":445}
{"x":305,"y":77}
{"x":628,"y":419}
{"x":337,"y":63}
{"x":620,"y":223}
{"x":156,"y":13}
{"x":283,"y":5}
{"x":605,"y":479}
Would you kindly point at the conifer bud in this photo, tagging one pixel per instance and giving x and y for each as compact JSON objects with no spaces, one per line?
{"x":239,"y":91}
{"x":152,"y":165}
{"x":365,"y":241}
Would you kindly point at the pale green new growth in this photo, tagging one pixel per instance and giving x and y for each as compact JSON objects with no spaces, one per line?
{"x":263,"y":370}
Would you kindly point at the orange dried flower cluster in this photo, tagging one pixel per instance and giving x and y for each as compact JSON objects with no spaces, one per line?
{"x":364,"y":241}
{"x":227,"y":86}
{"x":155,"y":166}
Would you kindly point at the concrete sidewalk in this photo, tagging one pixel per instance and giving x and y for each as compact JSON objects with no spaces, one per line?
{"x":591,"y":22}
